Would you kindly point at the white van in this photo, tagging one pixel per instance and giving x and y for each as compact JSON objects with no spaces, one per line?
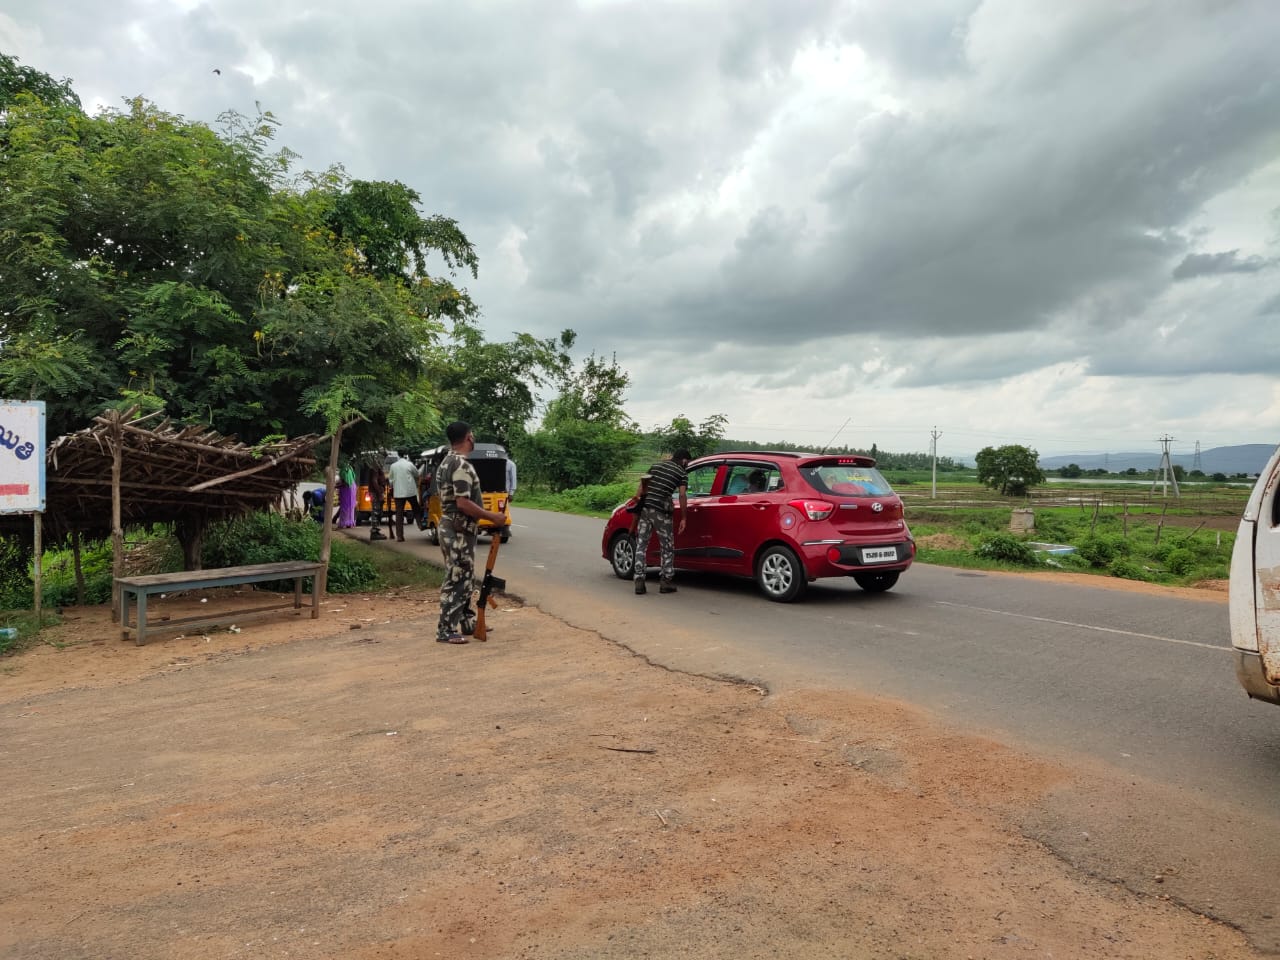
{"x":1255,"y":588}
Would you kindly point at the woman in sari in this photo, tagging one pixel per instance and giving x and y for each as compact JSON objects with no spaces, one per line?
{"x":347,"y":496}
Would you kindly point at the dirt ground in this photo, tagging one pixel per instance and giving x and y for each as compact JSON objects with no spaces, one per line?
{"x":347,"y":788}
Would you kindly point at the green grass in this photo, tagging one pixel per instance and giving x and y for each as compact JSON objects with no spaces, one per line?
{"x":395,"y":569}
{"x":597,"y":500}
{"x":1134,"y":548}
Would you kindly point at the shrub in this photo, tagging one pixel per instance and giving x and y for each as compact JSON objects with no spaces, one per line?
{"x":1180,"y":561}
{"x":269,"y":537}
{"x":1128,"y":569}
{"x":1008,"y":549}
{"x":1099,"y":551}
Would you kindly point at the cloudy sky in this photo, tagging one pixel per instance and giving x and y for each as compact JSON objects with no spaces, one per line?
{"x":1015,"y":221}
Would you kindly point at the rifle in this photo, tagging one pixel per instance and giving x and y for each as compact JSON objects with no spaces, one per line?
{"x":489,"y":584}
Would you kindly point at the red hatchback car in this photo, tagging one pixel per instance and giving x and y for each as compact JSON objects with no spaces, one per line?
{"x":782,"y":518}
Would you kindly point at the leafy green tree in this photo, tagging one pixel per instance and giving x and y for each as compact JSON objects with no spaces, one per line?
{"x":147,"y":259}
{"x":1011,"y":469}
{"x":586,"y":436}
{"x":16,"y":79}
{"x":681,"y":434}
{"x":1071,"y":471}
{"x":493,"y":386}
{"x":592,"y":394}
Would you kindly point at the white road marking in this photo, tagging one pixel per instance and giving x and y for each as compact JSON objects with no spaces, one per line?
{"x":1085,"y":626}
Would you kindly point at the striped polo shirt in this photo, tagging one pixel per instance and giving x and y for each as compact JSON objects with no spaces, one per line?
{"x":667,"y":477}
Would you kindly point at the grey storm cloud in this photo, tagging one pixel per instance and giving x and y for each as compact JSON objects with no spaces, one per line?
{"x":1207,"y":264}
{"x":973,"y":188}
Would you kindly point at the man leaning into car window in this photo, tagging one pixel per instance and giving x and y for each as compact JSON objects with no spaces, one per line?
{"x":665,"y":478}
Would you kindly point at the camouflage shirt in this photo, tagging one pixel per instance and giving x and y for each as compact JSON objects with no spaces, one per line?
{"x":456,"y":478}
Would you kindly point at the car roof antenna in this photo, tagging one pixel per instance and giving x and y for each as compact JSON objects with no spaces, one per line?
{"x":834,"y":435}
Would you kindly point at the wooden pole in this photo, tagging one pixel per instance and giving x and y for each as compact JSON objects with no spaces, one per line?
{"x":321,"y":585}
{"x":37,"y":568}
{"x":75,"y":560}
{"x":117,"y":524}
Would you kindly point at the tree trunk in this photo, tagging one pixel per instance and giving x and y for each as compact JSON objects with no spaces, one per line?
{"x":190,"y":535}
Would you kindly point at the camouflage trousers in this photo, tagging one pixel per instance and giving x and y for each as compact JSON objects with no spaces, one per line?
{"x":655,"y":521}
{"x":376,"y":513}
{"x":458,"y":542}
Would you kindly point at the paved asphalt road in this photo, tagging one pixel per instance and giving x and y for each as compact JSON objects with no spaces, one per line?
{"x":1138,"y":689}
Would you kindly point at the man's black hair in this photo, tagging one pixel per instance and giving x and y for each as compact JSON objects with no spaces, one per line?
{"x":456,"y":432}
{"x":681,"y":455}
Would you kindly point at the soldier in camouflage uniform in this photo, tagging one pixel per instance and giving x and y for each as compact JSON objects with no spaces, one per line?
{"x":461,"y":508}
{"x":664,"y":479}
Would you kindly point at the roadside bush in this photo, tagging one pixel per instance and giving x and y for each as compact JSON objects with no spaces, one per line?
{"x":1008,"y":549}
{"x":1128,"y":569}
{"x":269,"y":537}
{"x":150,"y":551}
{"x":1180,"y":561}
{"x":598,"y":498}
{"x":1100,"y":551}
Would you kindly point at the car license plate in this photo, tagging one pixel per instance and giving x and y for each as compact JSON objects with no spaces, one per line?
{"x":879,"y":554}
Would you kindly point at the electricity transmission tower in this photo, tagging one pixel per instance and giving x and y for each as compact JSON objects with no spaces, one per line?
{"x":1167,"y":475}
{"x":1195,"y":462}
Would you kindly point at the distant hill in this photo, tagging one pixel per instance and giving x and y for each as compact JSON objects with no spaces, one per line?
{"x":1247,"y":458}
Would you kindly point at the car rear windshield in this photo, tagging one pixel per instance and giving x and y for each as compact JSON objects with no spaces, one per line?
{"x":846,"y":480}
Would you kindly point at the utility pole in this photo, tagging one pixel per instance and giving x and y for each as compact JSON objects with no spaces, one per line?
{"x":1166,"y":471}
{"x":933,"y":451}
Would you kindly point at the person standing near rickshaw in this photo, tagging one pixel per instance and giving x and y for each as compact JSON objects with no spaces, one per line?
{"x":377,"y":500}
{"x":461,"y":508}
{"x":404,"y":489}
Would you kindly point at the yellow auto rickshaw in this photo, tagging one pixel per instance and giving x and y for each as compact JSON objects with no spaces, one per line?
{"x":364,"y":508}
{"x":490,"y":462}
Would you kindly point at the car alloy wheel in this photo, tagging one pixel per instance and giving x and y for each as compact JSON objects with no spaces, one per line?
{"x":622,"y":555}
{"x":780,"y":575}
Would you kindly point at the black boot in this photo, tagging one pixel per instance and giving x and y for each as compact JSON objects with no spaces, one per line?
{"x":667,"y":587}
{"x":639,"y":588}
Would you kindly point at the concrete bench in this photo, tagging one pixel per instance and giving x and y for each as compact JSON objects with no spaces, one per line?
{"x":139,"y":588}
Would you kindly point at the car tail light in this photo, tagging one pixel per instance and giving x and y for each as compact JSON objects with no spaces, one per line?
{"x":813,"y":509}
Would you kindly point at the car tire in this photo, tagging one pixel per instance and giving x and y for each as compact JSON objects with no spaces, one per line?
{"x":433,"y":533}
{"x":622,"y":555}
{"x":505,"y":537}
{"x":877,"y":582}
{"x":362,"y":517}
{"x":780,"y":574}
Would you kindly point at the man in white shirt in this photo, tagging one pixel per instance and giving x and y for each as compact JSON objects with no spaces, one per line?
{"x":404,"y":489}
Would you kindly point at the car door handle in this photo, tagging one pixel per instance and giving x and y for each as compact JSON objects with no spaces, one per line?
{"x":761,"y":506}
